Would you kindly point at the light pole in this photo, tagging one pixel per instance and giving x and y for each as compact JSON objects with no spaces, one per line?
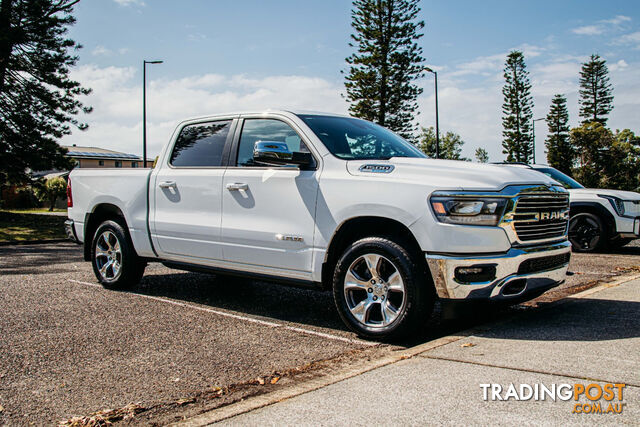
{"x":435,"y":75}
{"x":534,"y":137}
{"x":144,"y":109}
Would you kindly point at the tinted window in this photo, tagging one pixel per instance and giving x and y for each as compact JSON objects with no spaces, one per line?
{"x":348,"y":138}
{"x":255,"y":130}
{"x":201,"y":144}
{"x":563,"y":179}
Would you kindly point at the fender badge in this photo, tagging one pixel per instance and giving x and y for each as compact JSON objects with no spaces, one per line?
{"x":377,"y":168}
{"x":289,"y":238}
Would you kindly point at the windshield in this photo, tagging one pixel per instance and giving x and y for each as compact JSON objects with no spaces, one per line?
{"x":354,"y":139}
{"x":563,"y":179}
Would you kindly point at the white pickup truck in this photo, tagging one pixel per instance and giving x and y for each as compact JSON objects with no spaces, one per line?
{"x":328,"y":201}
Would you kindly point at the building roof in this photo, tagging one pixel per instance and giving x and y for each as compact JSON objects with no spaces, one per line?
{"x":98,"y":153}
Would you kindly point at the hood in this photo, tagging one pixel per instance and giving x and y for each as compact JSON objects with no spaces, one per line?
{"x":624,"y":195}
{"x":451,"y":174}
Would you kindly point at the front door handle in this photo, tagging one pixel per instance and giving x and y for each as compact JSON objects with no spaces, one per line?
{"x":236,"y":186}
{"x":167,"y":184}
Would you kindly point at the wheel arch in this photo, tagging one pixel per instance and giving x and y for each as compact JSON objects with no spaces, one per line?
{"x":101,"y":212}
{"x":596,"y":209}
{"x":356,"y":228}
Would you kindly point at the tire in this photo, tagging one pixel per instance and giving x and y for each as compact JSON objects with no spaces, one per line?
{"x":111,"y":244}
{"x":587,"y":232}
{"x":389,"y":301}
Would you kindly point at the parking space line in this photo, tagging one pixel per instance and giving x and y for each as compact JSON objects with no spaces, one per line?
{"x":243,"y":318}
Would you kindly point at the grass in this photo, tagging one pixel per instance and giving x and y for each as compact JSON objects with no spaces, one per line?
{"x":20,"y":227}
{"x":35,"y":210}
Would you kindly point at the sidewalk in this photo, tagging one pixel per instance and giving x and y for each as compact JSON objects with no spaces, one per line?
{"x":595,"y":338}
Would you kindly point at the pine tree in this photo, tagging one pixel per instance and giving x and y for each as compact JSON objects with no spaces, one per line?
{"x":482,"y":156}
{"x":596,"y":93}
{"x":380,"y":83}
{"x":37,"y":97}
{"x":450,"y":144}
{"x":517,"y":110}
{"x":560,"y":152}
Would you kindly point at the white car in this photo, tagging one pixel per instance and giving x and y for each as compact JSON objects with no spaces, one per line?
{"x":600,"y":218}
{"x":327,"y":201}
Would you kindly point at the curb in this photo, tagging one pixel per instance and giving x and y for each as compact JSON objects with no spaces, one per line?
{"x":257,"y":402}
{"x":33,"y":242}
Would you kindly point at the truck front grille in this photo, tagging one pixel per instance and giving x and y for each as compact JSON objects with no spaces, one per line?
{"x":542,"y":217}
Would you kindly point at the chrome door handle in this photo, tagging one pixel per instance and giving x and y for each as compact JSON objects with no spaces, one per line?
{"x":236,"y":186}
{"x":167,"y":184}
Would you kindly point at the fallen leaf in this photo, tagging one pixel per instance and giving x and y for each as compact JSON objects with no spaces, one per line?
{"x":275,"y":380}
{"x":469,"y":344}
{"x":261,"y":381}
{"x":185,"y":401}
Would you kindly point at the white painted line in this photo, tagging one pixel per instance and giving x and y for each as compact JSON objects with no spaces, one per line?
{"x":244,"y":318}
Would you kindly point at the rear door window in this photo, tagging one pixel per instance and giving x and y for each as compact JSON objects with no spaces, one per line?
{"x":201,"y":144}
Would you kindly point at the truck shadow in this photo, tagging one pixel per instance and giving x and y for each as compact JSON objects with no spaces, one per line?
{"x":269,"y":300}
{"x":575,"y":320}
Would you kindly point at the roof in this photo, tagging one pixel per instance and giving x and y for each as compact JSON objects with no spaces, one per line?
{"x":98,"y":153}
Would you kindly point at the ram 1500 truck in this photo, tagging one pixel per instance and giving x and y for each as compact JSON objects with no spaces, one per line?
{"x":331,"y":201}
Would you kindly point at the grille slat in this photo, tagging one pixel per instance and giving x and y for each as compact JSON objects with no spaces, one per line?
{"x":530,"y":207}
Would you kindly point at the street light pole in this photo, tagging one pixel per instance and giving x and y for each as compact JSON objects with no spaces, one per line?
{"x":534,"y":137}
{"x":144,"y":109}
{"x":435,"y":76}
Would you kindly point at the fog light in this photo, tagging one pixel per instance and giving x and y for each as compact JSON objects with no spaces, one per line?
{"x":475,"y":273}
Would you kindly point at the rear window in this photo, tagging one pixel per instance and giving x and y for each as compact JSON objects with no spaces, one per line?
{"x":201,"y":145}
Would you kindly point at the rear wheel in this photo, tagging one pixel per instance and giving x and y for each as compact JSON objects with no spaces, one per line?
{"x":586,"y":232}
{"x":115,"y":263}
{"x":380,"y":290}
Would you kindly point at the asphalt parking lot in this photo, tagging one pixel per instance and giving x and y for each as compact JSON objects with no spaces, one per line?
{"x":180,"y":343}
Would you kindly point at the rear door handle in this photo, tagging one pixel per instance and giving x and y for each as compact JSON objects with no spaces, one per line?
{"x":236,"y":186}
{"x":167,"y":184}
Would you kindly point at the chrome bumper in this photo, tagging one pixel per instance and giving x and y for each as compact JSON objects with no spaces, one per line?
{"x":508,"y":282}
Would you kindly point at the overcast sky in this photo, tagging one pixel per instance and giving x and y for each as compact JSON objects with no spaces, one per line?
{"x":231,"y":55}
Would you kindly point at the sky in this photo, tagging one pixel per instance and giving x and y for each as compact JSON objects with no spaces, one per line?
{"x":224,"y":55}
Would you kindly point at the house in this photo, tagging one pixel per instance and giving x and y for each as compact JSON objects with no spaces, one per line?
{"x":93,"y":157}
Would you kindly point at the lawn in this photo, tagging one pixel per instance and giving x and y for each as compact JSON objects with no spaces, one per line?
{"x":20,"y":227}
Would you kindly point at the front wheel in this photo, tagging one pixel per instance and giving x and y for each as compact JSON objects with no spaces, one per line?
{"x":380,"y":290}
{"x":586,"y":232}
{"x":115,"y":262}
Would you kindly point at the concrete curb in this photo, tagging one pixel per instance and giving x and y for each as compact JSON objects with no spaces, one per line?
{"x":252,"y":403}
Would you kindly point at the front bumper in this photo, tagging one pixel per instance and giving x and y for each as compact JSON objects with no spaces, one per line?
{"x":514,"y":278}
{"x":70,"y":229}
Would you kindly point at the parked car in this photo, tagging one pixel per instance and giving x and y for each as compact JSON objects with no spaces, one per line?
{"x":327,"y":201}
{"x":600,"y":218}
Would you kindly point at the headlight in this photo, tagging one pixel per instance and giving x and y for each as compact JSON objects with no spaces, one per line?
{"x":471,"y":211}
{"x":618,"y":204}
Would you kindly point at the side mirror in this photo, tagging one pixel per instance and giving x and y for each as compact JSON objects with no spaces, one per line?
{"x":278,"y":153}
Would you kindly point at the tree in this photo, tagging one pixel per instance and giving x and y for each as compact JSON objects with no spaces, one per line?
{"x":380,"y":81}
{"x":50,"y":190}
{"x":607,"y":160}
{"x":623,"y":162}
{"x":450,"y":144}
{"x":596,"y":93}
{"x":482,"y":156}
{"x":593,"y":141}
{"x":517,"y":110}
{"x":38,"y":99}
{"x":560,"y":152}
